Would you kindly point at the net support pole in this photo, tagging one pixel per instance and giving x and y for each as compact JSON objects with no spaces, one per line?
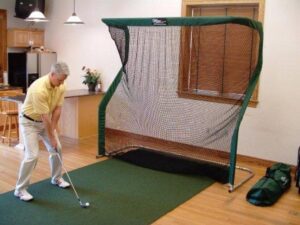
{"x":102,"y":112}
{"x":233,"y":187}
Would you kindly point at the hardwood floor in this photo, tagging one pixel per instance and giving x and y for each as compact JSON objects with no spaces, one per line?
{"x":214,"y":205}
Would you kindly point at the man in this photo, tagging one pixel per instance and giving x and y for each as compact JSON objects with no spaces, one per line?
{"x":40,"y":114}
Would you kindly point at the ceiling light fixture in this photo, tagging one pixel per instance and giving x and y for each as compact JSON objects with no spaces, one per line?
{"x":36,"y":15}
{"x":74,"y":19}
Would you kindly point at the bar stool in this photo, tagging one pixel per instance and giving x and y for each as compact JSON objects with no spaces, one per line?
{"x":9,"y":113}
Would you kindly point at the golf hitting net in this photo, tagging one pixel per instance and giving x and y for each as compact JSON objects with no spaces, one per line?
{"x":180,"y":96}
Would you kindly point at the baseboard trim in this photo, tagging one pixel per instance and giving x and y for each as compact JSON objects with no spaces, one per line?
{"x":258,"y":161}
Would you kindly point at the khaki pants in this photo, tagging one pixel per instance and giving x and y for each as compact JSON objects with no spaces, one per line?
{"x":31,"y":132}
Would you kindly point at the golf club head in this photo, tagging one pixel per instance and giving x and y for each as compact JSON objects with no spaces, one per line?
{"x":85,"y":205}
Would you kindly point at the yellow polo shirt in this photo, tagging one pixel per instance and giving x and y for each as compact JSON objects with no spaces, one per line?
{"x":42,"y":98}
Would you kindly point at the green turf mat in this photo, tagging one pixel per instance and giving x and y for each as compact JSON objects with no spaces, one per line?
{"x":119,"y":193}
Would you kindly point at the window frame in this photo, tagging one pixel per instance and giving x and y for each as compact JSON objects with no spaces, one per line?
{"x":187,"y":7}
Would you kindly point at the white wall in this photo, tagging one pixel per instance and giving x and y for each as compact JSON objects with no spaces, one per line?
{"x":270,"y":131}
{"x":90,"y":44}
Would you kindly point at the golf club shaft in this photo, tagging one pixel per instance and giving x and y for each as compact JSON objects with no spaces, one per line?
{"x":61,"y":162}
{"x":68,"y":176}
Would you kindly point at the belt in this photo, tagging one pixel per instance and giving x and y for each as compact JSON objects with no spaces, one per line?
{"x":27,"y":117}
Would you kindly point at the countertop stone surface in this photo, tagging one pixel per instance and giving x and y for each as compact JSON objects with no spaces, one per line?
{"x":68,"y":94}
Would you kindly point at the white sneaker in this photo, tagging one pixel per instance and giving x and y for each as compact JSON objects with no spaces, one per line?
{"x":23,"y":195}
{"x":60,"y":182}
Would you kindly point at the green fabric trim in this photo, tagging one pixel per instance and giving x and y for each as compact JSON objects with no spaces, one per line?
{"x":127,"y":38}
{"x":102,"y":111}
{"x":249,"y":92}
{"x":180,"y":21}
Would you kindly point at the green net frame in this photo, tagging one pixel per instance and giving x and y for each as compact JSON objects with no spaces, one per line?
{"x":126,"y":24}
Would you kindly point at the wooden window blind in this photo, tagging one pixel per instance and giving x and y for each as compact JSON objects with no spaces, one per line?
{"x":223,"y":72}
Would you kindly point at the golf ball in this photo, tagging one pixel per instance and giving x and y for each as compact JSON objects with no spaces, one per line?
{"x":87,"y":204}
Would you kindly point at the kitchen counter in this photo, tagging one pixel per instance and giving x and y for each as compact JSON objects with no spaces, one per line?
{"x":81,"y":92}
{"x":17,"y":99}
{"x":68,"y":94}
{"x":8,"y":88}
{"x":79,"y":116}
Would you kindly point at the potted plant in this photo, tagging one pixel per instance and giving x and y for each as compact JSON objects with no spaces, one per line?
{"x":91,"y":78}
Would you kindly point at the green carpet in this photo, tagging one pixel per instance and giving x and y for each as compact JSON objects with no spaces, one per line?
{"x":119,"y":193}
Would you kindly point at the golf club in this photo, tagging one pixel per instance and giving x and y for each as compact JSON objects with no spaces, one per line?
{"x":83,"y":205}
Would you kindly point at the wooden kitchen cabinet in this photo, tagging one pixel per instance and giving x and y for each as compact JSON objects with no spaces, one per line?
{"x":22,"y":37}
{"x":37,"y":36}
{"x":79,"y":116}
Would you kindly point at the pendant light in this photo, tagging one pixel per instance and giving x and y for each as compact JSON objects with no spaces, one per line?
{"x":74,"y":19}
{"x":36,"y":15}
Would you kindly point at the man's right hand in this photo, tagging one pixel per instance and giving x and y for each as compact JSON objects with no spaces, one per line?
{"x":50,"y":130}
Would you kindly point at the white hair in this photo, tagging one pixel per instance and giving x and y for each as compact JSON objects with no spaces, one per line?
{"x":60,"y":68}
